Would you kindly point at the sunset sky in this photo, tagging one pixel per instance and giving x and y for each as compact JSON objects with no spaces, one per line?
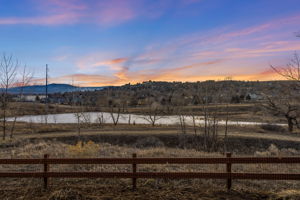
{"x":114,"y":42}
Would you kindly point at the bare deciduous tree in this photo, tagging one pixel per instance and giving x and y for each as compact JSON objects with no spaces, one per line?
{"x":226,"y":129}
{"x":78,"y":111}
{"x":284,"y":108}
{"x":100,"y":119}
{"x":25,"y":79}
{"x":78,"y":117}
{"x":287,"y":106}
{"x":292,"y":70}
{"x":114,"y":111}
{"x":176,"y":106}
{"x":8,"y":72}
{"x":182,"y":121}
{"x":153,"y":113}
{"x":211,"y":129}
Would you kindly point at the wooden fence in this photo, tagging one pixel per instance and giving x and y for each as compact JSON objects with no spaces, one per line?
{"x":134,"y":175}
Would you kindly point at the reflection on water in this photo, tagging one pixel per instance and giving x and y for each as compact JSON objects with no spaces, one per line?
{"x":97,"y":117}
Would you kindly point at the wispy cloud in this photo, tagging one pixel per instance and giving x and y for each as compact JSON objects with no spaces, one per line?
{"x":95,"y":61}
{"x":110,"y":62}
{"x":67,"y":18}
{"x":50,"y":12}
{"x":106,"y":13}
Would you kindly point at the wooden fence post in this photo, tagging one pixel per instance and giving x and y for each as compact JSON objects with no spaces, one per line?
{"x":134,"y":171}
{"x":228,"y":170}
{"x":46,"y":169}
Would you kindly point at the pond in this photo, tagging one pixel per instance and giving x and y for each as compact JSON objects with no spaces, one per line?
{"x":96,"y":117}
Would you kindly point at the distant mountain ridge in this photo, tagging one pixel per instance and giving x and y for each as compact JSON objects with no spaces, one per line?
{"x":52,"y":88}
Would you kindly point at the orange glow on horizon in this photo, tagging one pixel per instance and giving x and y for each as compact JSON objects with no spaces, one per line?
{"x":84,"y":80}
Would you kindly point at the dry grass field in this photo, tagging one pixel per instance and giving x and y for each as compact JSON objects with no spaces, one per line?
{"x":62,"y":189}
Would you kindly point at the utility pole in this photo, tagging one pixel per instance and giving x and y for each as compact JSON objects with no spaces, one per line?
{"x":46,"y":83}
{"x":46,"y":100}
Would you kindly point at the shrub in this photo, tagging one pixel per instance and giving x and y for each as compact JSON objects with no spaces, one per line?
{"x":82,"y":149}
{"x":149,"y":142}
{"x":273,"y":127}
{"x":273,"y":150}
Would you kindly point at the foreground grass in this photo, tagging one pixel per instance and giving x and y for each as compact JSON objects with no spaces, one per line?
{"x":87,"y":190}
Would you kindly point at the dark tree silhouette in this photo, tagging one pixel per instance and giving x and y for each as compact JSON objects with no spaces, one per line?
{"x":292,"y":70}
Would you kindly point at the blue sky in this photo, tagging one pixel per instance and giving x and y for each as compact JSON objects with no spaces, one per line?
{"x":115,"y":42}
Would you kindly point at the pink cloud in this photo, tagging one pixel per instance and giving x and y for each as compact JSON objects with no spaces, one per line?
{"x":57,"y":12}
{"x":67,"y":18}
{"x":94,"y":61}
{"x":59,"y":5}
{"x":117,"y":60}
{"x":51,"y":12}
{"x":105,"y":13}
{"x":51,"y":7}
{"x":112,"y":12}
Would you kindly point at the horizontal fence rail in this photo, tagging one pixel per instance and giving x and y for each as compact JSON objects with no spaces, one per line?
{"x":167,"y":175}
{"x":237,"y":160}
{"x":134,"y":175}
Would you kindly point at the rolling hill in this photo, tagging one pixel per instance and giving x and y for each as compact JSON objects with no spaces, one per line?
{"x":52,"y":88}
